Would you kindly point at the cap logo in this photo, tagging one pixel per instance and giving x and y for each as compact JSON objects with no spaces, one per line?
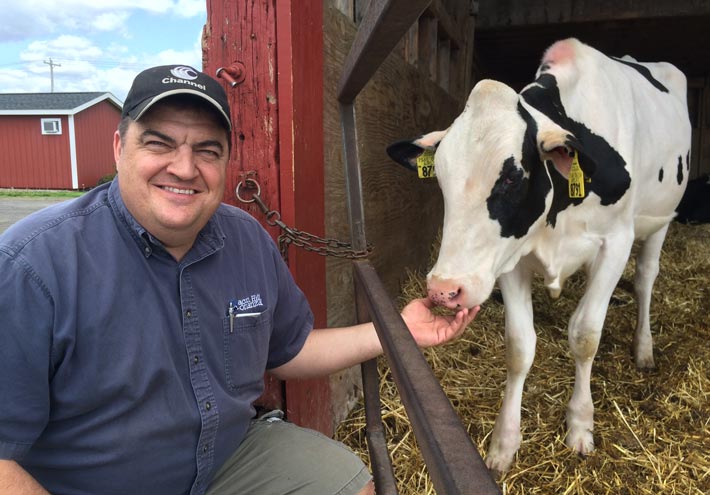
{"x":156,"y":83}
{"x":183,"y":72}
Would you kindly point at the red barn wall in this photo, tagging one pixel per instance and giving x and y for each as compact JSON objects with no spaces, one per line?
{"x":94,"y":128}
{"x":30,"y":159}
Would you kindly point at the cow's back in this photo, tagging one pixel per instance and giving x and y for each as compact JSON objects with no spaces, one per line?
{"x":640,"y":109}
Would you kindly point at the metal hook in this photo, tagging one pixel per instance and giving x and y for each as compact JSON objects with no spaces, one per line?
{"x":234,"y":74}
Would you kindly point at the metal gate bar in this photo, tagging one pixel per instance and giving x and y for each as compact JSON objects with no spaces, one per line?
{"x":359,"y":67}
{"x":452,"y":460}
{"x":453,"y":463}
{"x":382,"y":471}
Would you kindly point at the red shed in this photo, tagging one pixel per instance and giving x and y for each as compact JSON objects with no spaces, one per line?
{"x":56,"y":140}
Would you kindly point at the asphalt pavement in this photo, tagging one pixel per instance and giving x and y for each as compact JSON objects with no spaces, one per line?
{"x":13,"y":209}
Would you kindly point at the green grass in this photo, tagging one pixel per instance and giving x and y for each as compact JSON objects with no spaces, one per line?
{"x":38,"y":193}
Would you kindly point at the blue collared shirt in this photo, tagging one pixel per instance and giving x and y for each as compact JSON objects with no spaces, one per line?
{"x":122,"y":370}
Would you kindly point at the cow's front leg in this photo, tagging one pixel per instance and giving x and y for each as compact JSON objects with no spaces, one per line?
{"x":585,"y":329}
{"x":519,"y":352}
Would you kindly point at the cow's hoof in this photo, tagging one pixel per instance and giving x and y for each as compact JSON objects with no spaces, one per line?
{"x":505,"y":442}
{"x":499,"y":462}
{"x":500,"y":457}
{"x":581,"y":441}
{"x":645,"y":363}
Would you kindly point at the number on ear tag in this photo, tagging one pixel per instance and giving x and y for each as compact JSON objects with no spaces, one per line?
{"x":575,"y":180}
{"x":425,"y":165}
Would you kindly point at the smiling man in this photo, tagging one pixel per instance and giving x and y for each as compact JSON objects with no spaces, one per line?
{"x":139,"y":319}
{"x":172,"y":160}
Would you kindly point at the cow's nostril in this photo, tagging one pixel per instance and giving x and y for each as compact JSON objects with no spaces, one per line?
{"x":445,"y":292}
{"x":454,"y":294}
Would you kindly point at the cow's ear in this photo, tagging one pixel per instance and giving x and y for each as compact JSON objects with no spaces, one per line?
{"x":406,"y":152}
{"x":559,"y":146}
{"x":553,"y":145}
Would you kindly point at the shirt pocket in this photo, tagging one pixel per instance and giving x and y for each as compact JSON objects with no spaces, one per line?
{"x":246,"y":350}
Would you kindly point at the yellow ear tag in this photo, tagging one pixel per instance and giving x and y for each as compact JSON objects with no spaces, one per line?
{"x":425,"y":165}
{"x":575,"y":180}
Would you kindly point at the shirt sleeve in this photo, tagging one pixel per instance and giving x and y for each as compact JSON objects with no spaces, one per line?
{"x":292,"y":318}
{"x":25,"y":356}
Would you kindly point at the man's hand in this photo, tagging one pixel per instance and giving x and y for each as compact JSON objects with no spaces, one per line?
{"x":332,"y":349}
{"x":429,"y":329}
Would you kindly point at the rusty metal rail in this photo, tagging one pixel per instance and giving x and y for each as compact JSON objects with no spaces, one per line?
{"x":454,"y":464}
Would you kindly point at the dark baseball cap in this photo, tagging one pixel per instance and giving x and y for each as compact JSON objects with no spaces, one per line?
{"x":156,"y":83}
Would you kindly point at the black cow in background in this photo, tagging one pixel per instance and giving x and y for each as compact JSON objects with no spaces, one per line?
{"x":695,"y":205}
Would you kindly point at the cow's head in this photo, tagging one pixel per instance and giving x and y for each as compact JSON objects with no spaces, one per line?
{"x":497,"y":190}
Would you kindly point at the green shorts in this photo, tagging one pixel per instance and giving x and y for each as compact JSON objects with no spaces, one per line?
{"x":278,"y":457}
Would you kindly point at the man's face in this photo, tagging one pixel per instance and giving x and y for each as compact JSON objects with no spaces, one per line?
{"x":171,"y":169}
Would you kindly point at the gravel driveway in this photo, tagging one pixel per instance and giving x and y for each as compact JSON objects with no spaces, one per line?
{"x":13,"y":209}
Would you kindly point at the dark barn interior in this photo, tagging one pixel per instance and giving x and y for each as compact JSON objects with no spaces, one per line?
{"x":511,"y":36}
{"x":513,"y":53}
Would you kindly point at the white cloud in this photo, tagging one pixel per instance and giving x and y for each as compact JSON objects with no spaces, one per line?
{"x":92,"y":42}
{"x":190,"y":8}
{"x":110,"y":21}
{"x":86,"y":67}
{"x":16,"y":81}
{"x":29,"y":18}
{"x":64,"y":47}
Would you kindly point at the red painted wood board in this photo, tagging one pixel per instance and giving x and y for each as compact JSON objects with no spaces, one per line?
{"x":278,"y":141}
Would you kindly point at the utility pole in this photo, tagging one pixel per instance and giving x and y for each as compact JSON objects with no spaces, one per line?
{"x":52,"y":65}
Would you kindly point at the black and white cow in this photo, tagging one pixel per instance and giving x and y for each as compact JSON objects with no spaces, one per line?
{"x":566,"y":174}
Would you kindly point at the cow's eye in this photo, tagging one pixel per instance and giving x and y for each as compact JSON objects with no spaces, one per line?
{"x":512,"y":176}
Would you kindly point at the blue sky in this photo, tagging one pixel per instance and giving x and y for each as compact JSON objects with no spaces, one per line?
{"x":100,"y":44}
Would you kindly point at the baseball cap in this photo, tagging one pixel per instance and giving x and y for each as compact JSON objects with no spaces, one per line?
{"x":156,"y":83}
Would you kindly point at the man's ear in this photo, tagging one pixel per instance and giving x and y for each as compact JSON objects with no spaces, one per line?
{"x":406,"y":152}
{"x":116,"y":146}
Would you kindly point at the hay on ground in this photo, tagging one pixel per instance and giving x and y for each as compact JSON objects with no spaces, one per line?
{"x":652,"y":428}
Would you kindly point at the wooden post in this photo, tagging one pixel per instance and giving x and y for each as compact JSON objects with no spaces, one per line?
{"x":300,"y":89}
{"x":278,"y":141}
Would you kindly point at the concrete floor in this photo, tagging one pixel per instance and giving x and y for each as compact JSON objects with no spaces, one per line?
{"x":13,"y":209}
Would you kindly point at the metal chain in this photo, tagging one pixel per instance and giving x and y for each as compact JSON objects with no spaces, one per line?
{"x":323,"y":246}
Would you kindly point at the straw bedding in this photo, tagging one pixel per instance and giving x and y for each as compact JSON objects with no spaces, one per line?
{"x":652,"y":428}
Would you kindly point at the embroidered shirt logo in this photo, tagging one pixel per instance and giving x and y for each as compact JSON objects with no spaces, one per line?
{"x":253,"y":301}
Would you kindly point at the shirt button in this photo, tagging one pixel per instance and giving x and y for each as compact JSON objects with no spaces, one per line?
{"x":208,"y":406}
{"x":188,"y":313}
{"x":146,"y":250}
{"x":205,"y":447}
{"x":196,"y":359}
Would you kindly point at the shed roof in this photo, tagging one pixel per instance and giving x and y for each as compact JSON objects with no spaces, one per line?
{"x":52,"y":103}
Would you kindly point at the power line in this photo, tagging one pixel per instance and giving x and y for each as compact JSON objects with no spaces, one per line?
{"x":99,"y":63}
{"x":52,"y":65}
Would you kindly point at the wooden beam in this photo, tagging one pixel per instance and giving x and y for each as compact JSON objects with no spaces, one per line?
{"x":443,"y":65}
{"x":299,"y":45}
{"x":428,"y":45}
{"x":347,"y":7}
{"x":517,"y":13}
{"x":447,"y":25}
{"x":384,"y":24}
{"x":235,"y":33}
